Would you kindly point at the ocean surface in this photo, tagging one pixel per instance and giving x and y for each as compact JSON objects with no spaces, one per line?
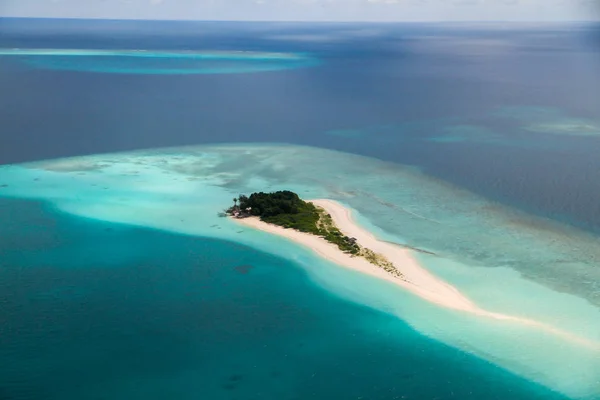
{"x":121,"y":142}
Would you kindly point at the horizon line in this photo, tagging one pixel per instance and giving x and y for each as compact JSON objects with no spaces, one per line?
{"x":424,"y":21}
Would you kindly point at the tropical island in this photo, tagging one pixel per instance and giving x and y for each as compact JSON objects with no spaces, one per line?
{"x":286,"y":209}
{"x":320,"y":226}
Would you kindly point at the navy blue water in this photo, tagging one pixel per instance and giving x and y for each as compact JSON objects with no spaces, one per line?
{"x":166,"y":316}
{"x":163,"y":316}
{"x":396,"y":85}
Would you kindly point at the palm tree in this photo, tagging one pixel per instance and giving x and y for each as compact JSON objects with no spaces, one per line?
{"x":235,"y":201}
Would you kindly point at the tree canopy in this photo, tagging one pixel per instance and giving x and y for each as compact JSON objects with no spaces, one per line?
{"x":287,"y":209}
{"x":271,"y":204}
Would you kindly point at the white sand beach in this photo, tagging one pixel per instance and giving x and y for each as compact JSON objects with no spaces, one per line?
{"x":415,"y":278}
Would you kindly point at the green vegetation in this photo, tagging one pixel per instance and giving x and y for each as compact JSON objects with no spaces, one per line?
{"x":286,"y":209}
{"x":327,"y":229}
{"x":380,"y":261}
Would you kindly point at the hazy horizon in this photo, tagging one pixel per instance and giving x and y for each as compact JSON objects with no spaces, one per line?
{"x":308,"y":10}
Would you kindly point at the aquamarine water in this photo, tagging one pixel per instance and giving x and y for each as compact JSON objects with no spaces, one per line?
{"x":181,"y":191}
{"x":98,"y":310}
{"x":158,"y":62}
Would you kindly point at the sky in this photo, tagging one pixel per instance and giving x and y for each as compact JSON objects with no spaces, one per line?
{"x":307,"y":10}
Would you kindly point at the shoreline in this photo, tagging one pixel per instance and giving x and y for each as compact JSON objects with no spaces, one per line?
{"x":415,"y":278}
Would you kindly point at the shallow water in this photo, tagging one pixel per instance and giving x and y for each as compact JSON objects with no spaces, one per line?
{"x":181,"y":190}
{"x":165,"y":315}
{"x":158,"y":63}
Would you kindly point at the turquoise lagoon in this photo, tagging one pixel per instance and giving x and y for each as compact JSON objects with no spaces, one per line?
{"x":142,"y":291}
{"x":158,"y":62}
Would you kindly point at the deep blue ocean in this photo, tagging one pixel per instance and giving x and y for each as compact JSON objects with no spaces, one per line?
{"x":165,"y":316}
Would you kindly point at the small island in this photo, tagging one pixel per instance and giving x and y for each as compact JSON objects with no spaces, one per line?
{"x":288,"y":210}
{"x":326,"y":227}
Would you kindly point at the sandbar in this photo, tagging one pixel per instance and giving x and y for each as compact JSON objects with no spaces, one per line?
{"x":415,"y":278}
